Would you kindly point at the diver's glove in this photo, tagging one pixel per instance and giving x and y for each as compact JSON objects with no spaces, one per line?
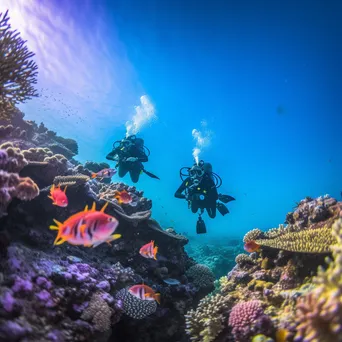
{"x":131,"y":159}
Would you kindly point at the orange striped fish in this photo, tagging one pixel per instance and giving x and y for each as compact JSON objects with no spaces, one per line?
{"x":89,"y":228}
{"x":144,"y":292}
{"x":149,"y":251}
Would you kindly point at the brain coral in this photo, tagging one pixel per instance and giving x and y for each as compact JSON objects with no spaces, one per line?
{"x":201,"y":275}
{"x":135,"y":307}
{"x":246,"y":318}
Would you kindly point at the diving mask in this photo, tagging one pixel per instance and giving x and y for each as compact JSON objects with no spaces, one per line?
{"x":196,"y":172}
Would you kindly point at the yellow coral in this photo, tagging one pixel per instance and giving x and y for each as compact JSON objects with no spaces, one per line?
{"x":317,"y":240}
{"x":259,"y":285}
{"x":226,"y":285}
{"x":253,"y":235}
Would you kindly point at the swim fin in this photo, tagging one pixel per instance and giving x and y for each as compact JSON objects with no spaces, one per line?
{"x":225,"y":198}
{"x":200,"y":226}
{"x":223,"y":210}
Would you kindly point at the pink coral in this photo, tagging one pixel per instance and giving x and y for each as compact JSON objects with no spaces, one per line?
{"x":248,"y":318}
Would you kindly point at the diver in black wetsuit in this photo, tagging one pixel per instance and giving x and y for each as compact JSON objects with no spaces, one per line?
{"x":200,"y":190}
{"x":130,"y":154}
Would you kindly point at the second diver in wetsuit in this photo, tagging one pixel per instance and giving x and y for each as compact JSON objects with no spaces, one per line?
{"x":129,"y":153}
{"x":200,"y":190}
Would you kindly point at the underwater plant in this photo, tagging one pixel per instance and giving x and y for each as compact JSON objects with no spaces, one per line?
{"x":18,"y":72}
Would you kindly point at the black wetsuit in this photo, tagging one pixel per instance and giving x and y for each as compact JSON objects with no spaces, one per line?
{"x":134,"y":168}
{"x":206,"y":188}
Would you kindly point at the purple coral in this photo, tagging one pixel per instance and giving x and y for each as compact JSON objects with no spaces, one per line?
{"x":247,"y":319}
{"x":22,"y":285}
{"x":7,"y":301}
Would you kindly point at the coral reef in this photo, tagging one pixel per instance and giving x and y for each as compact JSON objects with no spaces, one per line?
{"x":83,"y":294}
{"x":281,"y":292}
{"x":319,"y":313}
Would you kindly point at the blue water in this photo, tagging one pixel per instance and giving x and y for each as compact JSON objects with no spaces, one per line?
{"x":265,"y":75}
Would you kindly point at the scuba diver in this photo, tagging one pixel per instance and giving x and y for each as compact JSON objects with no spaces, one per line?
{"x":130,"y":153}
{"x":200,"y":190}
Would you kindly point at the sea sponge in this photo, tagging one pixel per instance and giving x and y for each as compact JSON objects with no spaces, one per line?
{"x":135,"y":307}
{"x":201,"y":275}
{"x":27,"y":189}
{"x":98,"y":312}
{"x":207,"y":321}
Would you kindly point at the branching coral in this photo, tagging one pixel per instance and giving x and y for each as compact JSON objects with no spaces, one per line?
{"x":18,"y":72}
{"x":207,"y":321}
{"x":253,"y":234}
{"x":98,"y":312}
{"x":319,"y":313}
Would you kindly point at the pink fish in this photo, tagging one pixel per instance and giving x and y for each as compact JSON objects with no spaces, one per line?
{"x":149,"y":251}
{"x":144,"y":292}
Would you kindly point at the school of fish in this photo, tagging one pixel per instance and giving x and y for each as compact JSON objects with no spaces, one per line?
{"x":91,"y":228}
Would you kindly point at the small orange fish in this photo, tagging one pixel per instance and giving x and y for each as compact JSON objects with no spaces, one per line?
{"x":89,"y":228}
{"x":144,"y":292}
{"x":123,"y":197}
{"x":149,"y":251}
{"x":251,"y":246}
{"x":58,"y":196}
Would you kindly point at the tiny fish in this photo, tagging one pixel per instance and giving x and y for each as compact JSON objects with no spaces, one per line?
{"x":105,"y":173}
{"x":149,"y":251}
{"x":89,"y":228}
{"x":144,"y":292}
{"x":251,"y":246}
{"x":171,"y":281}
{"x":58,"y":196}
{"x":123,"y":197}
